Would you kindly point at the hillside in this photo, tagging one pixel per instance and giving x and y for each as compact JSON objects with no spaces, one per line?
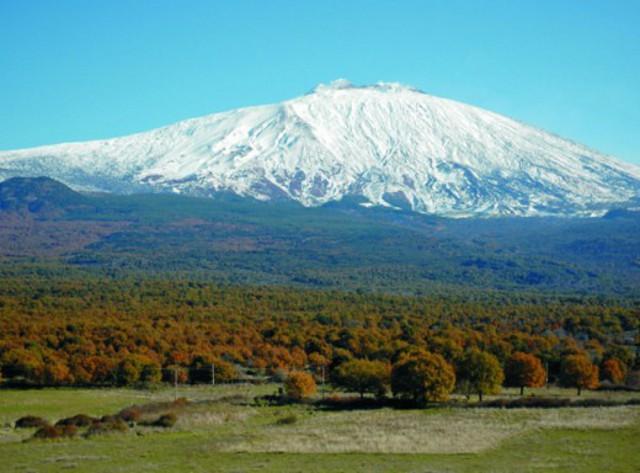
{"x":341,"y":245}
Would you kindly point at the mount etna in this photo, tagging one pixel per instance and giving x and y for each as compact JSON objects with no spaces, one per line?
{"x":381,"y":145}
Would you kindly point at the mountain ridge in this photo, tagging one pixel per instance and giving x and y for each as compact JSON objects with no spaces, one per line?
{"x":387,"y":144}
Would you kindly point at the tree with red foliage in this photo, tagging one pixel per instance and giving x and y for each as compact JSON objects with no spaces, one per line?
{"x":525,"y":370}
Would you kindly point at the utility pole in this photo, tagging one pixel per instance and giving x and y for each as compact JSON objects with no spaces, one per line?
{"x":213,"y":374}
{"x":546,"y":374}
{"x":175,"y":384}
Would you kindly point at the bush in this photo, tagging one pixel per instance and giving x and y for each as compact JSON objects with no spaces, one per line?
{"x":29,"y":422}
{"x":300,"y":385}
{"x":108,"y":419}
{"x":130,"y":414}
{"x":166,"y":421}
{"x":80,"y":420}
{"x":56,"y":432}
{"x":107,"y":424}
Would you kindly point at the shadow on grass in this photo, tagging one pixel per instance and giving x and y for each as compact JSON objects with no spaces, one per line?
{"x":350,"y":403}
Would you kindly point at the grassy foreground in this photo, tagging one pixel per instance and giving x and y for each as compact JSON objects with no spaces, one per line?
{"x":223,"y":430}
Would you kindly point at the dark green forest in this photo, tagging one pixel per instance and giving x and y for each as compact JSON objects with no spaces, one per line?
{"x":45,"y":226}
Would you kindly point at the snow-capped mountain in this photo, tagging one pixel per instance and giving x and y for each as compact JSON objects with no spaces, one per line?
{"x":386,"y":144}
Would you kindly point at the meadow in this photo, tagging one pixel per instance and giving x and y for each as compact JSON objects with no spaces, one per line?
{"x":226,"y":428}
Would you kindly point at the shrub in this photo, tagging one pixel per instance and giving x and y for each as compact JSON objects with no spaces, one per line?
{"x":422,"y":377}
{"x":55,"y":432}
{"x":166,"y":420}
{"x":80,"y":420}
{"x":525,"y":370}
{"x":300,"y":385}
{"x":130,"y":414}
{"x":363,"y":376}
{"x":28,"y":422}
{"x":107,"y":424}
{"x":109,"y":419}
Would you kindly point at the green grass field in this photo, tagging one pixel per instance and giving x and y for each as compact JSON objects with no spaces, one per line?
{"x":223,"y":430}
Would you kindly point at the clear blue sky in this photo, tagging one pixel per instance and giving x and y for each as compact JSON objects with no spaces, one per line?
{"x":78,"y":70}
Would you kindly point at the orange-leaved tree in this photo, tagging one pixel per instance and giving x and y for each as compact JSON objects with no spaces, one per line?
{"x":578,"y":372}
{"x":525,"y":370}
{"x":614,"y":370}
{"x":423,"y":376}
{"x":299,"y":385}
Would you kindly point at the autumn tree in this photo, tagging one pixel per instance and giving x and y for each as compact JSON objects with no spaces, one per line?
{"x":56,"y":371}
{"x":318,"y":360}
{"x":578,"y":372}
{"x":134,"y":368}
{"x":363,"y":376}
{"x":480,"y":372}
{"x":423,"y":376}
{"x":299,"y":385}
{"x":525,"y":370}
{"x":151,"y":373}
{"x":225,"y":372}
{"x":23,"y":363}
{"x":623,"y":353}
{"x":128,"y":371}
{"x":614,"y":370}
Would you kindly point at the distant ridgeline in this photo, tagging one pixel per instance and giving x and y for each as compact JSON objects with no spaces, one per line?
{"x":47,"y":228}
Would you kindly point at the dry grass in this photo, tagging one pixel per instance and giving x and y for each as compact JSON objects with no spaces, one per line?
{"x":440,"y":431}
{"x":202,"y":417}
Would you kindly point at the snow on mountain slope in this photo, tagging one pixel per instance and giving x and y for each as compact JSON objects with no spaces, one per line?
{"x":389,"y":144}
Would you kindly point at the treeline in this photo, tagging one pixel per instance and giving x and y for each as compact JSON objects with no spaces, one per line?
{"x":105,"y":331}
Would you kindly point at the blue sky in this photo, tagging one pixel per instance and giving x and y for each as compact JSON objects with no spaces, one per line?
{"x":78,"y":70}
